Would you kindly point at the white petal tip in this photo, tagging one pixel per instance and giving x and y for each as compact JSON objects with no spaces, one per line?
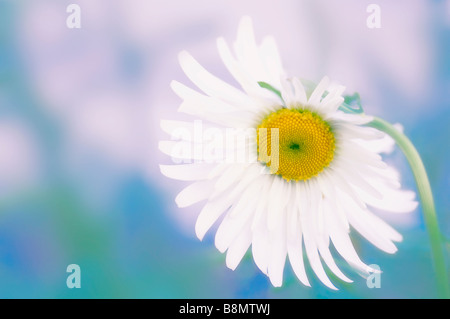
{"x":180,"y":202}
{"x":391,"y":250}
{"x":333,"y":288}
{"x":348,"y":280}
{"x":328,"y":283}
{"x":304,"y":281}
{"x":246,"y":19}
{"x":371,"y":270}
{"x":231,"y":265}
{"x":221,"y":248}
{"x":221,"y":245}
{"x":183,"y":56}
{"x":221,"y":43}
{"x":163,"y":170}
{"x":164,"y":147}
{"x":276,"y":283}
{"x":199,"y":232}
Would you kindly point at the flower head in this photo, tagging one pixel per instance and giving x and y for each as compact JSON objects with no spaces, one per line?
{"x":311,"y":171}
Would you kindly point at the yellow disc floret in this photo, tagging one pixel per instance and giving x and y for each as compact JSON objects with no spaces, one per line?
{"x":296,"y":144}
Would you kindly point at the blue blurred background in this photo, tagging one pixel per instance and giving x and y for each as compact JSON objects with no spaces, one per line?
{"x":79,"y":126}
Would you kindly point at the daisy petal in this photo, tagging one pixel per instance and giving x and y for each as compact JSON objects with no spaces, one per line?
{"x":238,"y":248}
{"x":316,"y":95}
{"x":277,"y":251}
{"x":308,"y":238}
{"x":210,"y":213}
{"x":294,"y":242}
{"x":235,"y":220}
{"x":187,"y":172}
{"x":210,"y":84}
{"x":300,"y":93}
{"x":194,"y":193}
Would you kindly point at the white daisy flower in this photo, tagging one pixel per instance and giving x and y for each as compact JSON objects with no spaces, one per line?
{"x":296,"y":199}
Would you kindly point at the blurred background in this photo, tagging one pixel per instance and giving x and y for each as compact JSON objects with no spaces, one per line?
{"x":79,"y":127}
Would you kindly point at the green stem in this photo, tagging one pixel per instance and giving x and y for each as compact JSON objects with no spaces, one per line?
{"x":426,"y":196}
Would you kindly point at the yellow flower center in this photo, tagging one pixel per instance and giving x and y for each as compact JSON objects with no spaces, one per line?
{"x":296,"y":144}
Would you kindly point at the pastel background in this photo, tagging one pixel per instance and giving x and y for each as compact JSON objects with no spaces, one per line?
{"x":79,"y":126}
